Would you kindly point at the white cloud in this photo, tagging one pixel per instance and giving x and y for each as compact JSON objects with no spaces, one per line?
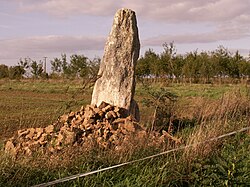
{"x":227,"y":15}
{"x":4,"y":26}
{"x":165,"y":10}
{"x":190,"y":11}
{"x":66,"y":8}
{"x":46,"y":45}
{"x":244,"y":52}
{"x":221,"y":34}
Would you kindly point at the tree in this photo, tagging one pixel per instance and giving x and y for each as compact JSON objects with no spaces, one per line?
{"x":91,"y":75}
{"x":25,"y":65}
{"x":78,"y":65}
{"x":167,"y":62}
{"x":56,"y":65}
{"x":142,"y":68}
{"x":221,"y":58}
{"x":4,"y":71}
{"x":148,"y":65}
{"x":36,"y":69}
{"x":233,"y":66}
{"x":93,"y":67}
{"x":67,"y":72}
{"x":244,"y":68}
{"x":206,"y":67}
{"x":178,"y":63}
{"x":191,"y":68}
{"x":60,"y":66}
{"x":16,"y":72}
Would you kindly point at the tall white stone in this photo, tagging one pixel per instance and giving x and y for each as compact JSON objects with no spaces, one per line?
{"x":116,"y":84}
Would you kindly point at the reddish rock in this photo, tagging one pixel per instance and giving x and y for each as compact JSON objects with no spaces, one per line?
{"x":31,"y":133}
{"x":10,"y":148}
{"x":22,"y":132}
{"x":49,"y":129}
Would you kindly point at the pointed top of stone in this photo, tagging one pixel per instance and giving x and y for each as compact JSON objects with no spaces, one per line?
{"x":123,"y":12}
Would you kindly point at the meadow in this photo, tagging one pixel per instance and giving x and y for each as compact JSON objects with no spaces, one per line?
{"x":199,"y":112}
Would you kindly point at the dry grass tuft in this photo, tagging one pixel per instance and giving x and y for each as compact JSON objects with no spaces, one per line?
{"x":215,"y":118}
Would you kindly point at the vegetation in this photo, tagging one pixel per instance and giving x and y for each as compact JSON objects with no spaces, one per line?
{"x":205,"y":67}
{"x":4,"y":72}
{"x":198,"y":111}
{"x":168,"y":100}
{"x":218,"y":66}
{"x":78,"y":66}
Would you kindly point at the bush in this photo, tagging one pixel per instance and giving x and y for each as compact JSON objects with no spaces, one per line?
{"x":163,"y":101}
{"x":4,"y":72}
{"x":16,"y":72}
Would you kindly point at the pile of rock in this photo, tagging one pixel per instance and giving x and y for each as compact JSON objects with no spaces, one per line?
{"x":108,"y":126}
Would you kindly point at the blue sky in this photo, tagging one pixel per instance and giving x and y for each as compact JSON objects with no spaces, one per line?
{"x":38,"y":28}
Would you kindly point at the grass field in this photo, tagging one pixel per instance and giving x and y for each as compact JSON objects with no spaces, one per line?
{"x":202,"y":111}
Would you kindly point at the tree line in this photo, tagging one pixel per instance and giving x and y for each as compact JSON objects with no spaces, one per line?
{"x":193,"y":67}
{"x":78,"y":66}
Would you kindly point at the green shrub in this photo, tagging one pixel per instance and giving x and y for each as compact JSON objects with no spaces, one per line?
{"x":231,"y":167}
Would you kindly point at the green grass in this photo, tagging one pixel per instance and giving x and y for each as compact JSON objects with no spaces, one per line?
{"x":38,"y":103}
{"x":50,"y":86}
{"x":167,"y":170}
{"x":198,"y":90}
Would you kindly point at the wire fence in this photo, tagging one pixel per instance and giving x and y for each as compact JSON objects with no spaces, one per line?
{"x":72,"y":177}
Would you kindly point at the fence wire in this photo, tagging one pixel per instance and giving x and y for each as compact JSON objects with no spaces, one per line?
{"x":72,"y":177}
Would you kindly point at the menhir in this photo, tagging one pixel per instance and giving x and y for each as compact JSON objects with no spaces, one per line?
{"x":116,"y":83}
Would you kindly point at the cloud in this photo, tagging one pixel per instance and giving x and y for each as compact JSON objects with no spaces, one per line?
{"x":4,"y":26}
{"x":66,"y":8}
{"x":164,"y":10}
{"x":45,"y":45}
{"x":244,"y":52}
{"x":220,"y":34}
{"x":227,"y":16}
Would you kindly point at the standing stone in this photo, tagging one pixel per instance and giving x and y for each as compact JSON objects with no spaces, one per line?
{"x":116,"y":84}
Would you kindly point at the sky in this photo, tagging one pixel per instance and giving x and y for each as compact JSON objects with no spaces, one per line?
{"x":48,"y":28}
